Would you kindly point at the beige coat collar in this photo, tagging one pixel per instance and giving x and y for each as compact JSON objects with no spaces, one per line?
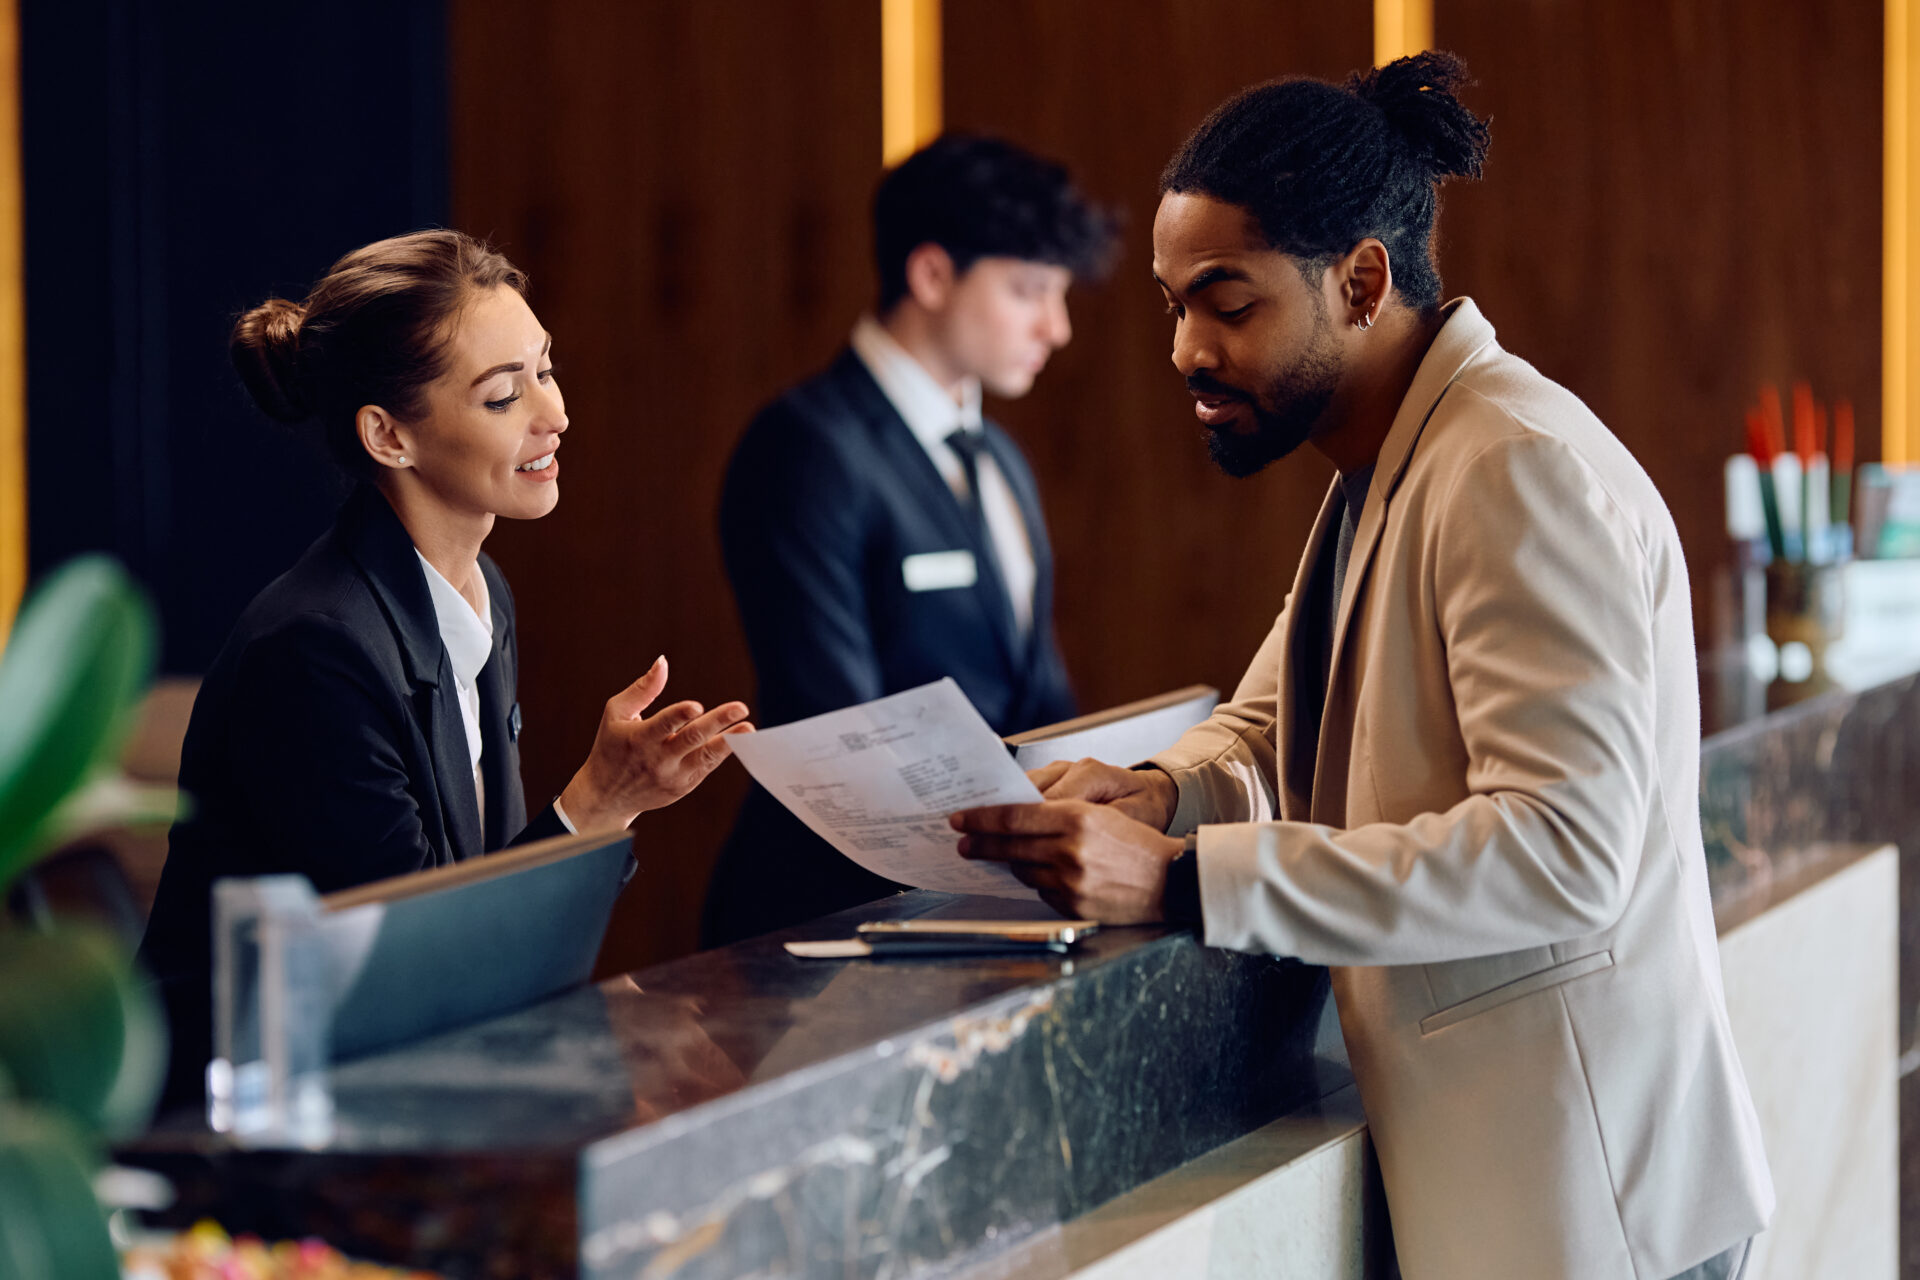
{"x":1463,"y":335}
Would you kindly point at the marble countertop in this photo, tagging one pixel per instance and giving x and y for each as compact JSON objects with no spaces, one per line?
{"x":743,"y":1104}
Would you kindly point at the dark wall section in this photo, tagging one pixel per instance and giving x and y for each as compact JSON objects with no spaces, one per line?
{"x":181,"y":162}
{"x":1674,"y":211}
{"x":687,"y":185}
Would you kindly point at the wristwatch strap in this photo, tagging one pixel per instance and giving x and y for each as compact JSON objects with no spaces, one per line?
{"x":1183,"y":882}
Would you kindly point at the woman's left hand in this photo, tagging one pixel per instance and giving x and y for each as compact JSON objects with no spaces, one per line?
{"x":642,"y":762}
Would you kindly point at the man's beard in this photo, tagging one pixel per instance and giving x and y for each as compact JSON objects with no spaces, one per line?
{"x":1300,"y":397}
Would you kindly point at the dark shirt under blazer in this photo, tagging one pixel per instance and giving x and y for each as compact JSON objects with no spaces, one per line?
{"x":327,"y":741}
{"x":827,"y":495}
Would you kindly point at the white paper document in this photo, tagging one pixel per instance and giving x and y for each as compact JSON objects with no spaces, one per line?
{"x":877,"y":782}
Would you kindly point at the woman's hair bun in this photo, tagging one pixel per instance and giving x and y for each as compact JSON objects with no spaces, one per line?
{"x":266,"y":353}
{"x":1416,"y":96}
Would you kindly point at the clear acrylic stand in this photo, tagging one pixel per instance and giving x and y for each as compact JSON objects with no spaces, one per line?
{"x":301,"y":981}
{"x":272,"y":1013}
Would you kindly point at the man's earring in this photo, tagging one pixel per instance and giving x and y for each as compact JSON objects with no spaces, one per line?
{"x":1365,"y":322}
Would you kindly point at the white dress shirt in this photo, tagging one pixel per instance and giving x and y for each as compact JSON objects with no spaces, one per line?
{"x":467,"y":633}
{"x":931,"y":414}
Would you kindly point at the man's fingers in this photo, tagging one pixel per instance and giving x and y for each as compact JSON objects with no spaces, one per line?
{"x":1022,"y":856}
{"x":1014,"y":850}
{"x":1048,"y":818}
{"x":1037,"y":875}
{"x":638,"y":696}
{"x":1047,"y":774}
{"x":1066,"y":903}
{"x":1092,"y":780}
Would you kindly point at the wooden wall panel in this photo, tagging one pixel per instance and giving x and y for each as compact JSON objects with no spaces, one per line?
{"x":1169,"y":571}
{"x":687,"y":185}
{"x":1682,"y":199}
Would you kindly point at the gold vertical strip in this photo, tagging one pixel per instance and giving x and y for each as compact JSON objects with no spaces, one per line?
{"x":13,"y":329}
{"x":1898,"y":211}
{"x":910,"y":95}
{"x":1402,"y":27}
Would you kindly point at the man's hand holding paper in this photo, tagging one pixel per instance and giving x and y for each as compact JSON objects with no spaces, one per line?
{"x":1092,"y":849}
{"x":1088,"y":861}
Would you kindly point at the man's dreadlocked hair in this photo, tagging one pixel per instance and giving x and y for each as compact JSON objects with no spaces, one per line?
{"x":1322,"y":166}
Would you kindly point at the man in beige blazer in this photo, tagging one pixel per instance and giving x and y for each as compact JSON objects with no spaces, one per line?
{"x":1462,"y":770}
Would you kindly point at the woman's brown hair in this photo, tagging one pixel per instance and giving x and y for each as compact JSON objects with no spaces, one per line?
{"x":374,"y":330}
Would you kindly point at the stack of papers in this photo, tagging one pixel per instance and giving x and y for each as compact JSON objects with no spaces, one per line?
{"x":877,"y":782}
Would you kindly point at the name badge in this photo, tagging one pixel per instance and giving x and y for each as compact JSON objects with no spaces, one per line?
{"x":939,"y":570}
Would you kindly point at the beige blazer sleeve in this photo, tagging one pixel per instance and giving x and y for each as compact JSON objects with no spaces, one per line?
{"x":1542,"y":600}
{"x":1225,"y":765}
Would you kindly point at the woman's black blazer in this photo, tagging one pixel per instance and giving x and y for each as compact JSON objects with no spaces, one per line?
{"x":327,"y":741}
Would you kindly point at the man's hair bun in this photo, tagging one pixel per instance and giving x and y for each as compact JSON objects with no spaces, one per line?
{"x":266,"y":353}
{"x":1321,"y":166}
{"x":1416,"y":96}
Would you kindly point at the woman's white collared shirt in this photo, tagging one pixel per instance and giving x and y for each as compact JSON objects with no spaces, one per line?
{"x":467,"y":633}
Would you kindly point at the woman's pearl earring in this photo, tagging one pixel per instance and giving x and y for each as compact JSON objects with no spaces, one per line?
{"x":402,"y":459}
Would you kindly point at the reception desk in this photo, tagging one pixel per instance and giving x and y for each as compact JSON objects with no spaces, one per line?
{"x":745,"y":1112}
{"x":1145,"y":1106}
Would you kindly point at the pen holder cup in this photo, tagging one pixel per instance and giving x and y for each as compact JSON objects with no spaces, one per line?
{"x":1806,"y":608}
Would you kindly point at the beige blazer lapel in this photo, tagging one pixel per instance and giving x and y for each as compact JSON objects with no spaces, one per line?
{"x":1294,"y":740}
{"x":1465,"y":333}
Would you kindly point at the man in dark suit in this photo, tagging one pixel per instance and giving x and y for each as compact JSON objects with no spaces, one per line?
{"x":879,"y":532}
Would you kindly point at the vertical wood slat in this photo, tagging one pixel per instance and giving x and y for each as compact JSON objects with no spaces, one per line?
{"x":1900,"y":228}
{"x":1400,"y":28}
{"x":910,"y":70}
{"x":688,"y":187}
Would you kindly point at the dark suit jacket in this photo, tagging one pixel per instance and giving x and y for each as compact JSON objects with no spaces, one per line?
{"x":828,"y":492}
{"x":327,"y":741}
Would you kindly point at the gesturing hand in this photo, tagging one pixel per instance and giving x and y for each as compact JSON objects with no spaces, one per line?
{"x":642,"y":762}
{"x":1145,"y":795}
{"x":1088,"y":861}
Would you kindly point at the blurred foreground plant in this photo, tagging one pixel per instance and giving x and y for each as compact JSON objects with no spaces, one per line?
{"x":82,"y":1046}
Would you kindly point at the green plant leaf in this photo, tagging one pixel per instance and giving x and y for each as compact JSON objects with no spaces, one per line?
{"x":79,"y":657}
{"x":78,"y":1030}
{"x":53,"y":1227}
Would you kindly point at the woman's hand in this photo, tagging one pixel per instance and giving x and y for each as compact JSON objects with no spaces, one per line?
{"x":644,"y":762}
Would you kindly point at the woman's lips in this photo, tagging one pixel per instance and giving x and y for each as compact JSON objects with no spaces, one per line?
{"x":546,"y":473}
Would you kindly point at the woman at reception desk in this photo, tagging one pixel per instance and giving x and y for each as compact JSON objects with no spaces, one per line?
{"x":361,"y":720}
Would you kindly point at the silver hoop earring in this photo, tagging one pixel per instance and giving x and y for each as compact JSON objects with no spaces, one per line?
{"x":1365,"y":322}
